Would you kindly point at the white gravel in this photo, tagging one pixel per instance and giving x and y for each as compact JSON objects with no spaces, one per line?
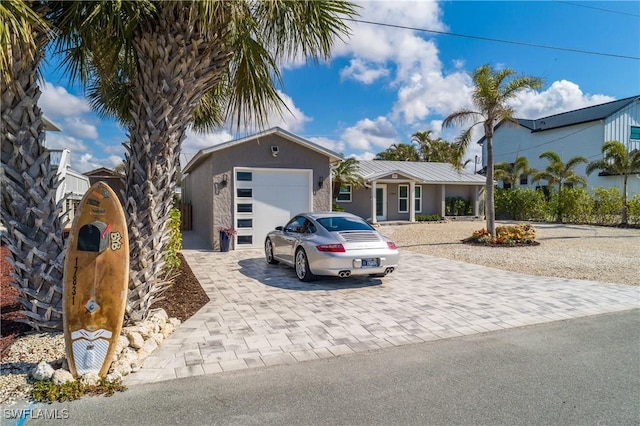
{"x":595,"y":253}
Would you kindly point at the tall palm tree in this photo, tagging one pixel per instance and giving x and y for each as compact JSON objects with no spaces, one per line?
{"x":511,"y":172}
{"x":399,"y":152}
{"x":560,"y":173}
{"x":618,"y":161}
{"x":491,"y":95}
{"x":345,"y":173}
{"x":29,"y":209}
{"x":162,"y":66}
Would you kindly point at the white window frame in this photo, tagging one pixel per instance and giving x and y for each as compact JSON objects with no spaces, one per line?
{"x":400,"y":198}
{"x":418,"y":199}
{"x":349,"y":192}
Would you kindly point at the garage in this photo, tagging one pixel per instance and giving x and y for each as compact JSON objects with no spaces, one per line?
{"x":266,"y":198}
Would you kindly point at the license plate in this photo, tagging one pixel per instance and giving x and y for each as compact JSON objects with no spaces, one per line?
{"x":369,"y":263}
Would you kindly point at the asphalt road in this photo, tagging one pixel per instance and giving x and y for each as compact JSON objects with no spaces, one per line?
{"x":582,"y":371}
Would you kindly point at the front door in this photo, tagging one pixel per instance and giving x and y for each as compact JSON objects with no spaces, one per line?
{"x":381,"y":202}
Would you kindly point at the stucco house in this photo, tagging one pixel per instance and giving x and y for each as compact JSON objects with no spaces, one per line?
{"x":398,"y":190}
{"x":256,"y":183}
{"x":578,"y":132}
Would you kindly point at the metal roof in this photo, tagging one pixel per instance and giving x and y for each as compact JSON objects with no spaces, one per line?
{"x":204,"y":153}
{"x":569,"y":118}
{"x":421,"y":171}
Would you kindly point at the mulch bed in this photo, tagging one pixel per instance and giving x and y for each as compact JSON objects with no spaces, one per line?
{"x":181,"y":300}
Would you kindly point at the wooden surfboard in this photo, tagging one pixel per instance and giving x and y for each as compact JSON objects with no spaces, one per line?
{"x":96,"y":278}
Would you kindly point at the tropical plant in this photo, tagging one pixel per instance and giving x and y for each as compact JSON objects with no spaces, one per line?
{"x":439,"y":150}
{"x":399,"y":152}
{"x":510,"y":173}
{"x":618,"y":161}
{"x":559,"y":173}
{"x":29,"y":209}
{"x":492,"y":92}
{"x":162,"y":66}
{"x":345,"y":173}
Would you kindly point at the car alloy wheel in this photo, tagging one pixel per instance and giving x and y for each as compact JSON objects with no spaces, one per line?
{"x":268,"y":252}
{"x":302,"y":266}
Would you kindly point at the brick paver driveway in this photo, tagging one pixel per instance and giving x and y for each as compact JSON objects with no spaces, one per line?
{"x":261,"y":315}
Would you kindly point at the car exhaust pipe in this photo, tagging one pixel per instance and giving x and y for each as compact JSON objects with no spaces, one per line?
{"x":388,"y":271}
{"x":344,"y":274}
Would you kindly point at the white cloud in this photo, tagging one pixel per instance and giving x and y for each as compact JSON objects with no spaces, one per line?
{"x":57,"y":140}
{"x":561,"y":96}
{"x":79,"y":127}
{"x":333,"y":145}
{"x":370,"y":134}
{"x":363,"y":72}
{"x":57,"y":102}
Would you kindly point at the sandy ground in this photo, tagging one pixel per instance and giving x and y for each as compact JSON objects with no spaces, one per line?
{"x":596,"y":253}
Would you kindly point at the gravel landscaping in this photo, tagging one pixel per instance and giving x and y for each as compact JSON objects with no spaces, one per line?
{"x":595,"y":253}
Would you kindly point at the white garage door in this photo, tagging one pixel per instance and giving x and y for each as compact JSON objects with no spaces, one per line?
{"x":266,"y":198}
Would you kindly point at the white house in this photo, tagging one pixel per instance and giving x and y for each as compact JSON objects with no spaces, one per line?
{"x":581,"y":132}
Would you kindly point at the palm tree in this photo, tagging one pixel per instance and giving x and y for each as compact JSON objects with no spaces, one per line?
{"x":162,"y":66}
{"x":559,"y":173}
{"x":439,"y":150}
{"x":511,"y":172}
{"x":399,"y":152}
{"x":491,"y":95}
{"x":618,"y":161}
{"x":345,"y":173}
{"x":29,"y":209}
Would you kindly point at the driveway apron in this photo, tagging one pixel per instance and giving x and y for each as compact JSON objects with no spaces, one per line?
{"x":261,"y":315}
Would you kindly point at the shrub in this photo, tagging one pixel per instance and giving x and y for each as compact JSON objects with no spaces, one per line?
{"x":520,"y":204}
{"x":520,"y":234}
{"x":457,"y":206}
{"x":336,"y":208}
{"x":428,"y":217}
{"x":607,"y":205}
{"x":174,"y":245}
{"x":633,"y":213}
{"x":571,"y":205}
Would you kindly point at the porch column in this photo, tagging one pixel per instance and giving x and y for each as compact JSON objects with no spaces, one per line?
{"x":412,"y":201}
{"x":373,"y":202}
{"x":476,"y":204}
{"x":443,"y":202}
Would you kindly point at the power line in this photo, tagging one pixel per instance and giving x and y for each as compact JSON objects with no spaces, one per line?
{"x":496,"y":40}
{"x":597,"y":8}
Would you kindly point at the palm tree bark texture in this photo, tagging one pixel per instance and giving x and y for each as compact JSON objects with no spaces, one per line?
{"x":29,"y":209}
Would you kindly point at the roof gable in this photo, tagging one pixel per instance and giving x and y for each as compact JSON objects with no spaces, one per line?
{"x":204,"y":153}
{"x":418,"y":170}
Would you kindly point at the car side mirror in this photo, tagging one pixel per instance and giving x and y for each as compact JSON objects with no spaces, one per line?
{"x":278,"y":228}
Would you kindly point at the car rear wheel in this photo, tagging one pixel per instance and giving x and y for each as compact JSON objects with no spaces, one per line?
{"x":268,"y":252}
{"x":302,"y":266}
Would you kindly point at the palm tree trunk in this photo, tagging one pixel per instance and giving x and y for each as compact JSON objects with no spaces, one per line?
{"x":490,"y":209}
{"x":29,"y":209}
{"x":177,"y":66}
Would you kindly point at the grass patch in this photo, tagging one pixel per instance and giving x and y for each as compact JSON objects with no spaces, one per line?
{"x":47,"y":391}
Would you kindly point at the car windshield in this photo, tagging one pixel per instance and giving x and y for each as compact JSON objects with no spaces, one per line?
{"x":341,"y":223}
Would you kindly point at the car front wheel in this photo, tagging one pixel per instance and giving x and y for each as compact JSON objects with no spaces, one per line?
{"x":268,"y":252}
{"x":302,"y":266}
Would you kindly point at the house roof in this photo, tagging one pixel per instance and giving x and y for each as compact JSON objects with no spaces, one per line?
{"x":50,"y":125}
{"x":101,"y":171}
{"x":204,"y":153}
{"x":569,"y":118}
{"x":421,"y":171}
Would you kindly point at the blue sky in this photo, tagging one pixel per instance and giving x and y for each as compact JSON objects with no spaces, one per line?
{"x":384,"y":84}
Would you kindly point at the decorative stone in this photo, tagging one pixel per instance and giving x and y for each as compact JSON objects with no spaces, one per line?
{"x":135,"y":340}
{"x":123,"y":342}
{"x":150,"y":346}
{"x":157,"y":337}
{"x":121,"y":367}
{"x":42,"y":371}
{"x":90,"y":379}
{"x":114,"y":376}
{"x":61,"y":376}
{"x":159,"y":314}
{"x":167,"y":329}
{"x":175,"y":322}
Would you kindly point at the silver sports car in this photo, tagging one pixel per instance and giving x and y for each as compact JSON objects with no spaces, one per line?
{"x":337,"y":244}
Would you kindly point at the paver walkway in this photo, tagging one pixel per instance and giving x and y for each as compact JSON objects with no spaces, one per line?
{"x":261,"y":315}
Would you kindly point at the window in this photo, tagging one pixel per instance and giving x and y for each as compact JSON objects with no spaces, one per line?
{"x":244,"y":192}
{"x":245,"y":223}
{"x":418,"y":199}
{"x":403,"y":198}
{"x":340,"y":223}
{"x":635,"y":133}
{"x":296,"y":224}
{"x":506,"y":185}
{"x":524,"y":179}
{"x":245,"y":239}
{"x":245,"y":208}
{"x":246,"y":176}
{"x":345,"y":194}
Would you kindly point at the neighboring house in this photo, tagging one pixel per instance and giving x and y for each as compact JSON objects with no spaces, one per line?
{"x":581,"y":132}
{"x":398,"y":190}
{"x":256,"y":183}
{"x":72,"y":185}
{"x":111,"y":178}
